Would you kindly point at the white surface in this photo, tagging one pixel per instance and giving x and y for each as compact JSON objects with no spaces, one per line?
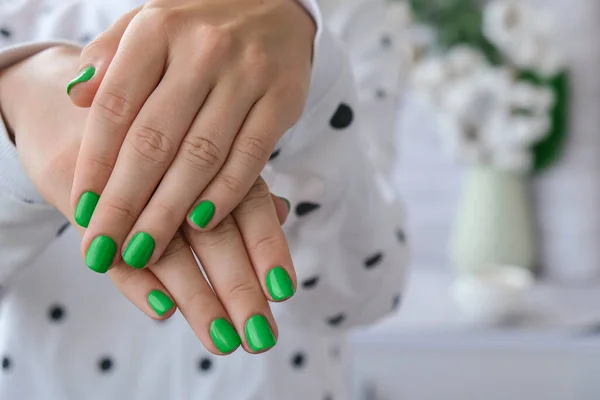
{"x":429,"y":352}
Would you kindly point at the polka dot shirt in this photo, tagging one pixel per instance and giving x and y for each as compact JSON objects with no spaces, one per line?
{"x":66,"y":333}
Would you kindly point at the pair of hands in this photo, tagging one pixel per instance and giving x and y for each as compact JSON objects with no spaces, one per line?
{"x":189,"y":99}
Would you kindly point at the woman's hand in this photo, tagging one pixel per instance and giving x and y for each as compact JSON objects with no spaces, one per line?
{"x":185,"y":116}
{"x":238,"y":256}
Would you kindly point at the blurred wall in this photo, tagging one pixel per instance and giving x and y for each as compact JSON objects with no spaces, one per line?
{"x":568,"y":196}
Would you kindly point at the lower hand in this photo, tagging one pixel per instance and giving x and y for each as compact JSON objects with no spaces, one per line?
{"x":48,"y":144}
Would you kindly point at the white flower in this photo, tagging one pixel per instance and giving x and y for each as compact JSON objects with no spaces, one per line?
{"x":524,"y":34}
{"x":432,"y":76}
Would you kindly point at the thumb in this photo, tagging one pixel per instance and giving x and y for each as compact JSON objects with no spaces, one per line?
{"x":282,"y":206}
{"x":95,"y":60}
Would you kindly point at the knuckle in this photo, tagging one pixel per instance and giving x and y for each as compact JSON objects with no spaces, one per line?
{"x":200,"y":153}
{"x":94,"y":48}
{"x":267,"y":242}
{"x":152,"y":144}
{"x":222,"y":235}
{"x":258,"y":196}
{"x":197,"y":296}
{"x":231,"y":183}
{"x":114,"y":106}
{"x":120,"y":210}
{"x":158,"y":18}
{"x":216,"y":41}
{"x":240,"y":290}
{"x":99,"y":164}
{"x":168,"y":212}
{"x":252,"y":149}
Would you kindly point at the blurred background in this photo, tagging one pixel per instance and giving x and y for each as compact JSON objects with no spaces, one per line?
{"x":499,"y":170}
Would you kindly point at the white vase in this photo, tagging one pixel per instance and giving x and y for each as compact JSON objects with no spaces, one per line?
{"x":494,"y":226}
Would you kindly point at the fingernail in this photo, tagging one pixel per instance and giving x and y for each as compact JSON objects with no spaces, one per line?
{"x":287,"y":203}
{"x":85,"y":208}
{"x":100,"y":254}
{"x":203,"y":213}
{"x":224,"y":336}
{"x":85,"y":75}
{"x":139,"y":250}
{"x":259,"y":334}
{"x":160,"y":302}
{"x":279,"y":284}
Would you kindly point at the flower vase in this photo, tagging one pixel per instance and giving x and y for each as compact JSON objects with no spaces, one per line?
{"x":495,"y":224}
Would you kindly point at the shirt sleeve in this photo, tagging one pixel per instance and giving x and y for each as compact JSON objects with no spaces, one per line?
{"x":345,"y":235}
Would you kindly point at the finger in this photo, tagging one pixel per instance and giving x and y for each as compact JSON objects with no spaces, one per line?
{"x":282,"y":207}
{"x":95,"y":59}
{"x":179,"y":271}
{"x":132,"y":76}
{"x":144,"y":290}
{"x":225,"y":261}
{"x":140,"y":287}
{"x":248,"y":156}
{"x":265,"y":242}
{"x":198,"y":159}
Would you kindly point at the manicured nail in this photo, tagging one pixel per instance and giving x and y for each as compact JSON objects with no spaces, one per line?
{"x":279,"y":284}
{"x":100,"y":254}
{"x":160,"y":302}
{"x":85,"y":208}
{"x":259,"y":334}
{"x":287,"y":203}
{"x":224,"y":336}
{"x":203,"y":213}
{"x":85,"y":75}
{"x":139,"y":250}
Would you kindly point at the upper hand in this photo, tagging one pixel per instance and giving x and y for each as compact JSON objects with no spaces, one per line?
{"x":188,"y":101}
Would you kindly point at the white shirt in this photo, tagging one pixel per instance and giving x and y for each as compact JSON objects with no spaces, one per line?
{"x":67,"y":333}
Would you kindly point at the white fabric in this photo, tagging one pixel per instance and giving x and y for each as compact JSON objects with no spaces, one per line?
{"x":41,"y":270}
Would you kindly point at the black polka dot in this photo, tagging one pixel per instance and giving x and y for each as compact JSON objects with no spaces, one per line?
{"x":5,"y":32}
{"x":336,"y":320}
{"x":105,"y":364}
{"x":298,"y":360}
{"x":310,"y":283}
{"x":62,"y":229}
{"x":396,"y":301}
{"x":328,"y":397}
{"x":6,"y":363}
{"x":401,"y":236}
{"x":386,"y":41}
{"x":342,"y":118}
{"x":373,"y":260}
{"x":56,"y":313}
{"x":380,"y":94}
{"x":274,"y":155}
{"x":205,"y":364}
{"x":305,"y":208}
{"x":28,"y":201}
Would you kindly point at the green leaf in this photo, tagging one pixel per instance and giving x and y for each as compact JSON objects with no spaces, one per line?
{"x":548,"y":151}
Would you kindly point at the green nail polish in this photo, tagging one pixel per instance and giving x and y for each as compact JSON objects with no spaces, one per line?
{"x":160,"y":302}
{"x":139,"y":250}
{"x":279,"y":284}
{"x":203,"y":213}
{"x":85,"y":208}
{"x":259,"y":334}
{"x":224,"y":336}
{"x":85,"y":75}
{"x":100,"y":254}
{"x":287,"y":203}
